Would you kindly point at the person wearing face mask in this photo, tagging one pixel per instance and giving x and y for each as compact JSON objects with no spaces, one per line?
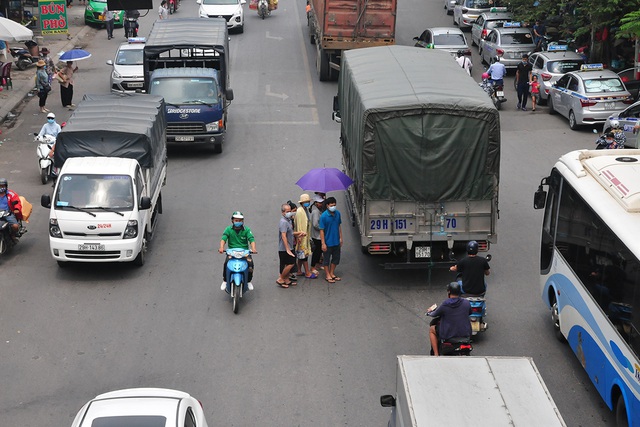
{"x":331,"y":238}
{"x":51,"y":127}
{"x":286,"y":239}
{"x":237,"y":235}
{"x":303,"y":245}
{"x":523,"y":79}
{"x":10,"y":201}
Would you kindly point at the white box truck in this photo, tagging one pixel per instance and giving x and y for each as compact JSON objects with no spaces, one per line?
{"x":113,"y":162}
{"x":491,"y":391}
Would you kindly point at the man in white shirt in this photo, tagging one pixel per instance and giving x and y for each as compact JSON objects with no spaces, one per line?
{"x":463,"y":61}
{"x":163,"y":12}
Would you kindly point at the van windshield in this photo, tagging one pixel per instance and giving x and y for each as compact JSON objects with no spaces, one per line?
{"x":178,"y":90}
{"x":95,"y":192}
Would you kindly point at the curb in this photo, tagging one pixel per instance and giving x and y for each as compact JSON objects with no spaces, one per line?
{"x":20,"y":91}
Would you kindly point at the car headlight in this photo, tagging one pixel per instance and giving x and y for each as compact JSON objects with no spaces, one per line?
{"x":131,"y":232}
{"x":116,"y":75}
{"x":89,"y":8}
{"x":214,"y":127}
{"x":54,"y":230}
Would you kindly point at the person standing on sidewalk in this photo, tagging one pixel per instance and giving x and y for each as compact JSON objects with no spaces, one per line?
{"x":523,"y":78}
{"x":316,"y":211}
{"x":43,"y":85}
{"x":66,"y":85}
{"x":286,"y":240}
{"x":51,"y":66}
{"x":108,"y":17}
{"x":331,"y":238}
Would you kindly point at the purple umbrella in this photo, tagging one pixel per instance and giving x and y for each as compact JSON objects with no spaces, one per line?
{"x":324,"y":180}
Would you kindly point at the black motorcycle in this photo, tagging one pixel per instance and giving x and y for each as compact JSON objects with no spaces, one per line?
{"x":6,"y":239}
{"x":24,"y":58}
{"x":131,"y":23}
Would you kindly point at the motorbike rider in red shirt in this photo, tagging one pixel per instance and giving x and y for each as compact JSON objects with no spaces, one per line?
{"x":10,"y":201}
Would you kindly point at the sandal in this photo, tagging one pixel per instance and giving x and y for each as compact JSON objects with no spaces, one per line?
{"x":313,"y":276}
{"x":329,"y":279}
{"x":316,"y":272}
{"x":336,"y":278}
{"x":283,"y":284}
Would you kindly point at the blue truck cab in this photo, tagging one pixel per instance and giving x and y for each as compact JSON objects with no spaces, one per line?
{"x":186,"y":62}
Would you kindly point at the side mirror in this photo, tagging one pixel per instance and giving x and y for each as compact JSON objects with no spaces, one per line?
{"x":387,"y":401}
{"x":110,"y":62}
{"x":145,"y":203}
{"x":488,"y":257}
{"x":336,"y":110}
{"x":198,"y":1}
{"x":45,"y":201}
{"x":539,"y":198}
{"x":416,"y":38}
{"x":229,"y":94}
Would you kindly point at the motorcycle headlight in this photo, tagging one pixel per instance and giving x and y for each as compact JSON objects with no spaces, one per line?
{"x":213,"y":127}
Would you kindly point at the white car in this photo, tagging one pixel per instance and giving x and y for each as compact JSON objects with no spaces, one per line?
{"x":128,"y":73}
{"x":231,"y":10}
{"x":141,"y":407}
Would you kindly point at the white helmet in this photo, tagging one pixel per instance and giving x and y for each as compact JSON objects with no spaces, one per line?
{"x":51,"y":116}
{"x":614,"y":124}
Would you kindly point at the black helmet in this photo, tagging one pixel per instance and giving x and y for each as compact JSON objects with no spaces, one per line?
{"x":3,"y":181}
{"x":460,"y":53}
{"x":453,"y":288}
{"x":472,"y":247}
{"x":496,"y":59}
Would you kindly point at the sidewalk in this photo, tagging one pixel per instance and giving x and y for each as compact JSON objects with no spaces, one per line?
{"x":23,"y":81}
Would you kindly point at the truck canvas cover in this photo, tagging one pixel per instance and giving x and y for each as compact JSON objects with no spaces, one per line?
{"x":188,"y":42}
{"x":114,"y":125}
{"x":419,"y":128}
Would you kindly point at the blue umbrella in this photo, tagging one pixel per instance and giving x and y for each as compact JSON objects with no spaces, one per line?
{"x":75,"y":55}
{"x":324,"y":180}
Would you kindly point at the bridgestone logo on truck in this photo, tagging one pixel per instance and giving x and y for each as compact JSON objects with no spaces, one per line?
{"x":182,"y":110}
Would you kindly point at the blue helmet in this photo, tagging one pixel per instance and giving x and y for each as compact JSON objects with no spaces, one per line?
{"x":472,"y":247}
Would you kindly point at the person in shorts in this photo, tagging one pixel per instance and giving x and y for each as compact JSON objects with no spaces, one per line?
{"x":331,"y":239}
{"x":286,"y":241}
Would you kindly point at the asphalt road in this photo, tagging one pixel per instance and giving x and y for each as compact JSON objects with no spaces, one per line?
{"x":313,"y":355}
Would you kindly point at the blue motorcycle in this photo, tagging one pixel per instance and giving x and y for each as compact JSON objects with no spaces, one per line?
{"x":237,"y":274}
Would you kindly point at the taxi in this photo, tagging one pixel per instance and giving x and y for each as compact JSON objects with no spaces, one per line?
{"x":128,"y":74}
{"x":588,"y":96}
{"x":509,"y":41}
{"x":467,"y":11}
{"x":487,"y":21}
{"x":93,"y":14}
{"x":552,"y":64}
{"x":627,"y":119}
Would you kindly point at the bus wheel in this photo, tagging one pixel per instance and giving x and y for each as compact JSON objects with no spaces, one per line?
{"x":621,"y":413}
{"x":555,"y":317}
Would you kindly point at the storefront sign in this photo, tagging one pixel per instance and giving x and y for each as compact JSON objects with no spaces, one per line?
{"x":53,"y":16}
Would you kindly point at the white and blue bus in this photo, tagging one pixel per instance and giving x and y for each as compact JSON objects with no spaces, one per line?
{"x":590,"y":268}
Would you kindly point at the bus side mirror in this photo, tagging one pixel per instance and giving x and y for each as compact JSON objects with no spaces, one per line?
{"x":539,"y":198}
{"x":336,"y":110}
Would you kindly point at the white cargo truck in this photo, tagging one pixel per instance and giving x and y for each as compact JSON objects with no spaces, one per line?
{"x":489,"y":391}
{"x":113,"y":162}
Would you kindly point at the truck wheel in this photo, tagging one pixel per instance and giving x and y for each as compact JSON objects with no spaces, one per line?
{"x":324,"y":70}
{"x":141,"y":258}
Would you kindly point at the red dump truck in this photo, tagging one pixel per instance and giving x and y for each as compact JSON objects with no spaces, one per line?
{"x":337,"y":25}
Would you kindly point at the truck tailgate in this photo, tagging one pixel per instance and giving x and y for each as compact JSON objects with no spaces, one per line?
{"x":353,"y":22}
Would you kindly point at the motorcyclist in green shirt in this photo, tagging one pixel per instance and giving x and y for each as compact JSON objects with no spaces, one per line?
{"x":237,"y":236}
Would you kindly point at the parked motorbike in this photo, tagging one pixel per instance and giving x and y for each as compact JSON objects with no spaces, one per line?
{"x":263,"y":8}
{"x":495,"y":91}
{"x":6,"y":241}
{"x":25,"y":58}
{"x":28,"y":20}
{"x":237,"y":275}
{"x":45,"y":163}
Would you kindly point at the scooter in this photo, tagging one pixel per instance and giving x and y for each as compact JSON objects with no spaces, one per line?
{"x":45,"y":163}
{"x":131,"y":23}
{"x":263,"y":8}
{"x":495,"y":92}
{"x":478,"y":307}
{"x":6,"y":241}
{"x":456,"y":346}
{"x":24,"y":59}
{"x":237,"y":275}
{"x":173,"y":6}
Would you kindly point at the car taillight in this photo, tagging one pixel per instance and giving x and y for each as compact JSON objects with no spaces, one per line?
{"x":499,"y":52}
{"x":627,"y":101}
{"x":587,"y":103}
{"x":484,"y":33}
{"x":546,"y":77}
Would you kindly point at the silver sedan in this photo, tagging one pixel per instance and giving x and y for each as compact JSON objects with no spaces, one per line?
{"x":449,"y":39}
{"x":508,"y":43}
{"x":588,"y":96}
